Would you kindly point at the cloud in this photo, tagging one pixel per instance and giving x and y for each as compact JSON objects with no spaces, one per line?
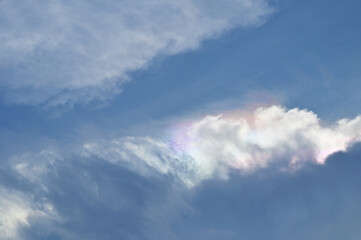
{"x":16,"y":210}
{"x":316,"y":202}
{"x":214,"y":145}
{"x":145,"y":156}
{"x":35,"y":167}
{"x":64,"y":52}
{"x":249,"y":142}
{"x":76,"y":198}
{"x":274,"y":161}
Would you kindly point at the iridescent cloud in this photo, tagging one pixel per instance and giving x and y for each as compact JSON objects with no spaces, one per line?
{"x":213,"y":145}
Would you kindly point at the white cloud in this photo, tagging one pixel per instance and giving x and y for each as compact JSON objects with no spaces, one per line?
{"x":211,"y":146}
{"x":62,"y":52}
{"x":16,"y":209}
{"x":197,"y":150}
{"x":269,"y":134}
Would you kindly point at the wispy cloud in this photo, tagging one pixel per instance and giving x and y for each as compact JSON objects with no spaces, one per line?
{"x":63,"y":52}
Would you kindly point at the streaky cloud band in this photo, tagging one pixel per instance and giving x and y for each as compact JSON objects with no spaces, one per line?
{"x":65,"y":52}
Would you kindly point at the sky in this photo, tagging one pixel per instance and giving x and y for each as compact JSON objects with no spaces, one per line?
{"x":193,"y":119}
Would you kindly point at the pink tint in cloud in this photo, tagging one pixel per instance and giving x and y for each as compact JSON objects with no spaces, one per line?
{"x":210,"y":147}
{"x":250,"y":140}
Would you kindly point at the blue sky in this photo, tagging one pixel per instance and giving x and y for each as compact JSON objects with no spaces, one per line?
{"x":161,"y":119}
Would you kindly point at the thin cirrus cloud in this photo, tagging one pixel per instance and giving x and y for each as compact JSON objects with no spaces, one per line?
{"x":214,"y":145}
{"x":64,"y":52}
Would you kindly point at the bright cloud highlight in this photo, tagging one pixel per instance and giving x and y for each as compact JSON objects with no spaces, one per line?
{"x":15,"y":210}
{"x":213,"y":145}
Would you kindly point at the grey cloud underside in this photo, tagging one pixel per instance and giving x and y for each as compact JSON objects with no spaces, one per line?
{"x":64,"y":52}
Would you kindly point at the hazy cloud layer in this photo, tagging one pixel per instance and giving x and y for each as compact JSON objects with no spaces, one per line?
{"x":63,"y":52}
